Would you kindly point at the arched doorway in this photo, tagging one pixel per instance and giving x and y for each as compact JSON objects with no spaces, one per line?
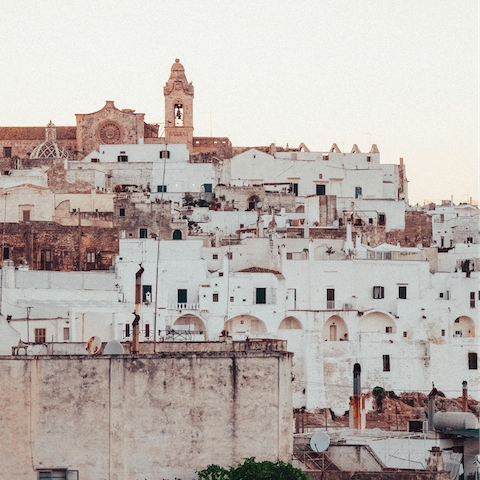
{"x":377,"y":322}
{"x":335,"y":329}
{"x":192,"y":326}
{"x":252,"y":202}
{"x":177,"y":235}
{"x":245,"y":323}
{"x":463,"y":327}
{"x":290,"y":323}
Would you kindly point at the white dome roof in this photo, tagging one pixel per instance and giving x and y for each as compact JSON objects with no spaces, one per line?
{"x":50,"y":149}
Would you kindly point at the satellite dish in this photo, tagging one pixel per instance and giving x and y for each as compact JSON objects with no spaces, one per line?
{"x":94,"y":345}
{"x":113,"y":348}
{"x":259,"y":204}
{"x":320,"y":442}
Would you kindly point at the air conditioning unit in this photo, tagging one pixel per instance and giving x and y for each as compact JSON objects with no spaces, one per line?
{"x":347,"y":306}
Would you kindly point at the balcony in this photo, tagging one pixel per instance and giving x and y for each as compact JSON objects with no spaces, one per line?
{"x":183,"y":306}
{"x":330,"y":304}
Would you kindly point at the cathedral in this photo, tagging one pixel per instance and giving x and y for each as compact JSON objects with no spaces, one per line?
{"x":113,"y":126}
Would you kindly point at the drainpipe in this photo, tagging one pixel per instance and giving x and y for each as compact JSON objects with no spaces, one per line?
{"x":464,"y":397}
{"x":356,"y":401}
{"x":138,"y":306}
{"x":431,"y":412}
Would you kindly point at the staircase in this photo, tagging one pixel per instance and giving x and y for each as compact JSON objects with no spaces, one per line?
{"x":313,"y":461}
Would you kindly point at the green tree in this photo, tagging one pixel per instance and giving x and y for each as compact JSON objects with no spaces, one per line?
{"x":252,"y":470}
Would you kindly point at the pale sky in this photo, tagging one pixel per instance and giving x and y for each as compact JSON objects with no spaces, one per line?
{"x":399,"y":73}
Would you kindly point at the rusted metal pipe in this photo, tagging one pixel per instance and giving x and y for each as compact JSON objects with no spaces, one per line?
{"x":464,"y":397}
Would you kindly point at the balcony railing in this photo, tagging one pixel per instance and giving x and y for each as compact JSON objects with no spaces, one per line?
{"x":330,"y":304}
{"x":184,"y":306}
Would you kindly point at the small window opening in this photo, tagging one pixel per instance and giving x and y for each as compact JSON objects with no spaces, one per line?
{"x":386,"y":363}
{"x":472,"y":361}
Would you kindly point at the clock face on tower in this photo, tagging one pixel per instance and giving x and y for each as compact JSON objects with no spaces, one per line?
{"x":110,"y":133}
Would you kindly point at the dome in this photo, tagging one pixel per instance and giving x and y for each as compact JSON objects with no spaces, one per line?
{"x":49,"y":149}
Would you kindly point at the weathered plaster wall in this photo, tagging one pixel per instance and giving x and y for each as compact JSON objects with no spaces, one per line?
{"x":161,"y":416}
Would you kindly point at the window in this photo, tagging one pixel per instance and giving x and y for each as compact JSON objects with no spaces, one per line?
{"x":404,"y":334}
{"x":358,"y":191}
{"x":161,"y":188}
{"x":402,"y":292}
{"x":143,"y":233}
{"x":386,"y":363}
{"x":91,"y":260}
{"x":40,"y":335}
{"x":325,"y":158}
{"x":388,"y":330}
{"x":472,"y":299}
{"x":358,"y":222}
{"x":178,"y":115}
{"x":330,"y":298}
{"x":57,"y":474}
{"x":441,"y":294}
{"x":66,"y":334}
{"x":177,"y":235}
{"x":261,"y":295}
{"x":122,"y":212}
{"x":46,"y":260}
{"x":122,"y":158}
{"x":147,"y":330}
{"x":215,"y":256}
{"x":381,"y":219}
{"x":294,"y":188}
{"x":182,"y":295}
{"x":207,"y":187}
{"x":7,"y":151}
{"x":229,"y":255}
{"x":164,"y":154}
{"x":6,"y":253}
{"x":127,"y":329}
{"x":369,"y":159}
{"x":215,"y":297}
{"x":469,"y":239}
{"x":320,"y":189}
{"x":146,"y":293}
{"x":472,"y":361}
{"x":94,"y":160}
{"x":378,"y":292}
{"x":290,"y":256}
{"x":26,"y":215}
{"x":220,"y":274}
{"x":370,"y":221}
{"x":443,"y":332}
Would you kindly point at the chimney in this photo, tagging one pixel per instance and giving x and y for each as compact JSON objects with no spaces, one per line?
{"x":464,"y":397}
{"x":435,"y":461}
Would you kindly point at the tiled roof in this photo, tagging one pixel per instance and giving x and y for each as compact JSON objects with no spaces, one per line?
{"x":259,"y":270}
{"x":36,"y":133}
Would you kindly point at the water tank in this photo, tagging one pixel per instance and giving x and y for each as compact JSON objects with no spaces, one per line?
{"x":455,"y":421}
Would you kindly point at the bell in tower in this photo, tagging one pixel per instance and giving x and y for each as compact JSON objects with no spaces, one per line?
{"x":178,"y":107}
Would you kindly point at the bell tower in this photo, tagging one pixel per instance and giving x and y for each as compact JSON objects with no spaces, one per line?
{"x":178,"y":107}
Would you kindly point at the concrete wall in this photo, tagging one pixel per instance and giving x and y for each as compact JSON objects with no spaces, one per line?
{"x":154,"y":416}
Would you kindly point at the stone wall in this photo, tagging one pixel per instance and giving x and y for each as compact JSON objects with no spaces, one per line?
{"x":155,"y":217}
{"x":153,"y":416}
{"x":68,"y":245}
{"x":238,"y":198}
{"x":418,"y":229}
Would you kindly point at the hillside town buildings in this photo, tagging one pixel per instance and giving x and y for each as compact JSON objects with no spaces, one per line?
{"x":319,"y":249}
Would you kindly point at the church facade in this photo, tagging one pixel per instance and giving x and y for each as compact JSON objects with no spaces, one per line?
{"x":113,"y":126}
